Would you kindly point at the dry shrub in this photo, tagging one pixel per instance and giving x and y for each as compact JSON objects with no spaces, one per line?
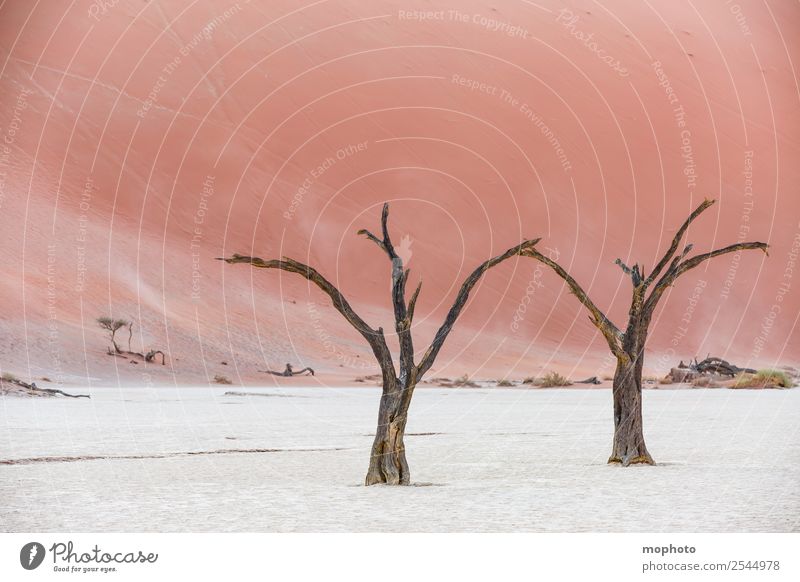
{"x":220,"y":379}
{"x":763,"y":379}
{"x":464,"y":380}
{"x":552,"y":379}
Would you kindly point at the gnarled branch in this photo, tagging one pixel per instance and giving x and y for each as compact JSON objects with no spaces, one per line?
{"x":634,"y":273}
{"x":399,"y":280}
{"x":373,"y":336}
{"x":677,"y":268}
{"x":610,"y":331}
{"x":461,"y":300}
{"x":413,"y":302}
{"x":676,"y":241}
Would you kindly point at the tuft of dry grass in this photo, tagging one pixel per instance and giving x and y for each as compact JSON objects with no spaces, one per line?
{"x":220,"y":379}
{"x":552,"y":379}
{"x":504,"y":383}
{"x":8,"y":377}
{"x":763,"y":379}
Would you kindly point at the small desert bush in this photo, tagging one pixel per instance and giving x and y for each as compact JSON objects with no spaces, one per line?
{"x":220,"y":379}
{"x":529,"y":380}
{"x":553,"y":379}
{"x":504,"y":383}
{"x":666,"y":380}
{"x":763,"y":379}
{"x":9,"y":377}
{"x":463,"y":380}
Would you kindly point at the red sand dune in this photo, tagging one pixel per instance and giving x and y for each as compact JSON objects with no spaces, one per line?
{"x":143,"y":139}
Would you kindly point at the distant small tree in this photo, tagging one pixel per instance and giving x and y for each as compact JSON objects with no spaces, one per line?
{"x":112,"y":326}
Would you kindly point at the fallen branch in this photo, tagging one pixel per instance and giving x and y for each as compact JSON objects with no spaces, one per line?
{"x":33,"y":386}
{"x":592,"y":380}
{"x":288,"y":372}
{"x":713,"y":365}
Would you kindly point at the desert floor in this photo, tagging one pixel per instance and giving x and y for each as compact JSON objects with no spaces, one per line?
{"x":482,"y":460}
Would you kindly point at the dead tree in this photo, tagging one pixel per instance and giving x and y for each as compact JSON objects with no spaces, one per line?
{"x":628,"y":346}
{"x":151,"y":356}
{"x":112,"y":326}
{"x":712,"y":365}
{"x":388,"y":459}
{"x":289,"y":371}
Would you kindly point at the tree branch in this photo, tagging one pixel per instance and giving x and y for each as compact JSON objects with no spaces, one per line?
{"x":677,"y":268}
{"x":374,"y":337}
{"x":413,"y":303}
{"x":461,"y":299}
{"x":633,"y":273}
{"x":399,"y":279}
{"x":610,"y":331}
{"x":385,"y":228}
{"x":373,"y":238}
{"x":676,"y":241}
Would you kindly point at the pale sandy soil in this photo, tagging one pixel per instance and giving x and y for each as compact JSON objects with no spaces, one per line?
{"x":490,"y":460}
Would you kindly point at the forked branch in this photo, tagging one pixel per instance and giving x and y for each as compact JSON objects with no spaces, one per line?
{"x":680,"y":266}
{"x":676,"y":241}
{"x":399,"y":280}
{"x":633,"y":272}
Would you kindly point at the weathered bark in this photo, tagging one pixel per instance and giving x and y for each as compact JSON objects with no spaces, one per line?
{"x":628,"y":347}
{"x":629,"y":447}
{"x":388,"y":462}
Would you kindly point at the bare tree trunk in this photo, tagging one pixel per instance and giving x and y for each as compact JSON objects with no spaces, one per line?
{"x":388,"y":462}
{"x":629,"y":446}
{"x":113,"y":341}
